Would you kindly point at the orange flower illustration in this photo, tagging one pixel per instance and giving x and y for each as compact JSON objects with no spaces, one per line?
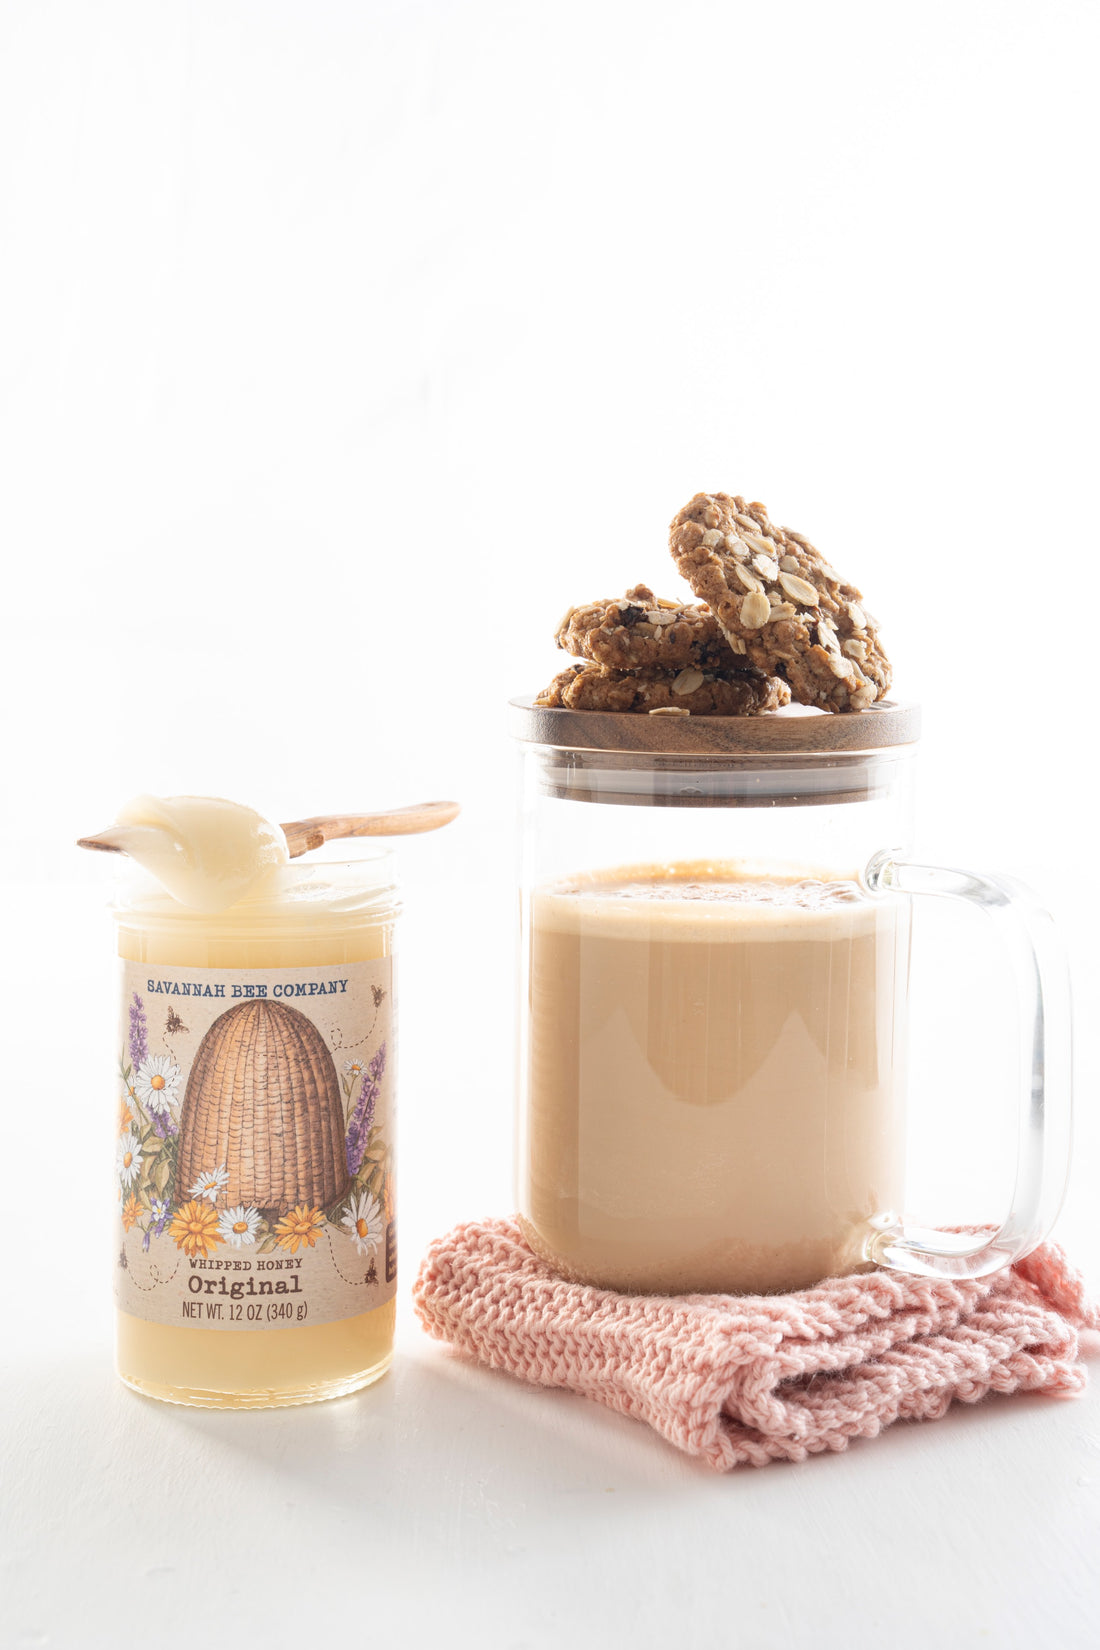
{"x":130,"y":1211}
{"x":195,"y":1228}
{"x":300,"y":1226}
{"x":125,"y":1117}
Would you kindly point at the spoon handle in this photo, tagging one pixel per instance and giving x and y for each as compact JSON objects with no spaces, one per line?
{"x":304,"y":834}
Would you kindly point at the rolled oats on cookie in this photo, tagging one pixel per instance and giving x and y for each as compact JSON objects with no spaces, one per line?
{"x":641,"y":629}
{"x":693,"y":690}
{"x":776,"y":597}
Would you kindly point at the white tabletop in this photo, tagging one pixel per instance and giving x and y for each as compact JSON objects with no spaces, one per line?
{"x":448,"y":1505}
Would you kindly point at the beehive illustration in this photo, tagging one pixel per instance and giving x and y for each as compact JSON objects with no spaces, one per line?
{"x":263,"y":1099}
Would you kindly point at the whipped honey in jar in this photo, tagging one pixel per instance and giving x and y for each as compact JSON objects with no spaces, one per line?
{"x":256,"y":1256}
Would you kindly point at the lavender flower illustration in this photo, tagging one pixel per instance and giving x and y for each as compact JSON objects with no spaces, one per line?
{"x":359,"y":1124}
{"x":159,"y":1211}
{"x":139,"y":1033}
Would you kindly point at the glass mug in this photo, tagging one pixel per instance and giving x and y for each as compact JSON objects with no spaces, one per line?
{"x":714,"y":978}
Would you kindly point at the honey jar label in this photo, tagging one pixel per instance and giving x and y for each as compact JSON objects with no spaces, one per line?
{"x":254,"y":1153}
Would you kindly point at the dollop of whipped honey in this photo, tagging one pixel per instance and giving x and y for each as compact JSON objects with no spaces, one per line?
{"x":205,"y":852}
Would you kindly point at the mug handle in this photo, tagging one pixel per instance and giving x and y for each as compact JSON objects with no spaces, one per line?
{"x":1045,"y":1042}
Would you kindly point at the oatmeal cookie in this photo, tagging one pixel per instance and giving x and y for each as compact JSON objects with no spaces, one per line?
{"x":689,"y":691}
{"x":781,"y":605}
{"x":641,"y":629}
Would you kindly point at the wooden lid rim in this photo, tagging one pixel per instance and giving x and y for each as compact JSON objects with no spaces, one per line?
{"x":793,"y":731}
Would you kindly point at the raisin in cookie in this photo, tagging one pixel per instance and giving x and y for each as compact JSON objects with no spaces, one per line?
{"x":694,"y":691}
{"x":640,"y":629}
{"x":782,"y":607}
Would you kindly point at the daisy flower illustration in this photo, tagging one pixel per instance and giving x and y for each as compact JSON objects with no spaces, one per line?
{"x":195,"y":1229}
{"x":363,"y":1222}
{"x":238,"y":1226}
{"x":354,"y":1068}
{"x":157,"y":1082}
{"x":301,"y":1226}
{"x":128,"y":1158}
{"x":210,"y":1184}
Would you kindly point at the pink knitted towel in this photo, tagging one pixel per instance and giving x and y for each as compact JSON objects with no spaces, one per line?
{"x":756,"y":1378}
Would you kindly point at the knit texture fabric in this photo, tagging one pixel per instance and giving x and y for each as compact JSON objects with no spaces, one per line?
{"x":748,"y":1379}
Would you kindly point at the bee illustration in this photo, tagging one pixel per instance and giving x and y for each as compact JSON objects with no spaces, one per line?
{"x":122,"y":1261}
{"x":173,"y":1023}
{"x":378,"y":994}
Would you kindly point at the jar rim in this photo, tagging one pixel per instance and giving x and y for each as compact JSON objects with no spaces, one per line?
{"x":352,"y":887}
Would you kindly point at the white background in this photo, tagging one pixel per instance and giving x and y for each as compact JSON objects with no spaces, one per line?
{"x":345,"y":345}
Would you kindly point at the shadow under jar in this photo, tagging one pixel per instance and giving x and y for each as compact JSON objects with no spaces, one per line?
{"x":713,"y":1014}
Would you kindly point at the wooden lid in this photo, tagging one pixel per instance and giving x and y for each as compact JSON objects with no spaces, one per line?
{"x":795,"y":730}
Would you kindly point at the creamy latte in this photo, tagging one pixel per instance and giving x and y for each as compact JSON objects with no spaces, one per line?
{"x":714,"y":1077}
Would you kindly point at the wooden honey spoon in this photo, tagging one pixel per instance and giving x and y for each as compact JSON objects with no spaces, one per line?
{"x":304,"y":834}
